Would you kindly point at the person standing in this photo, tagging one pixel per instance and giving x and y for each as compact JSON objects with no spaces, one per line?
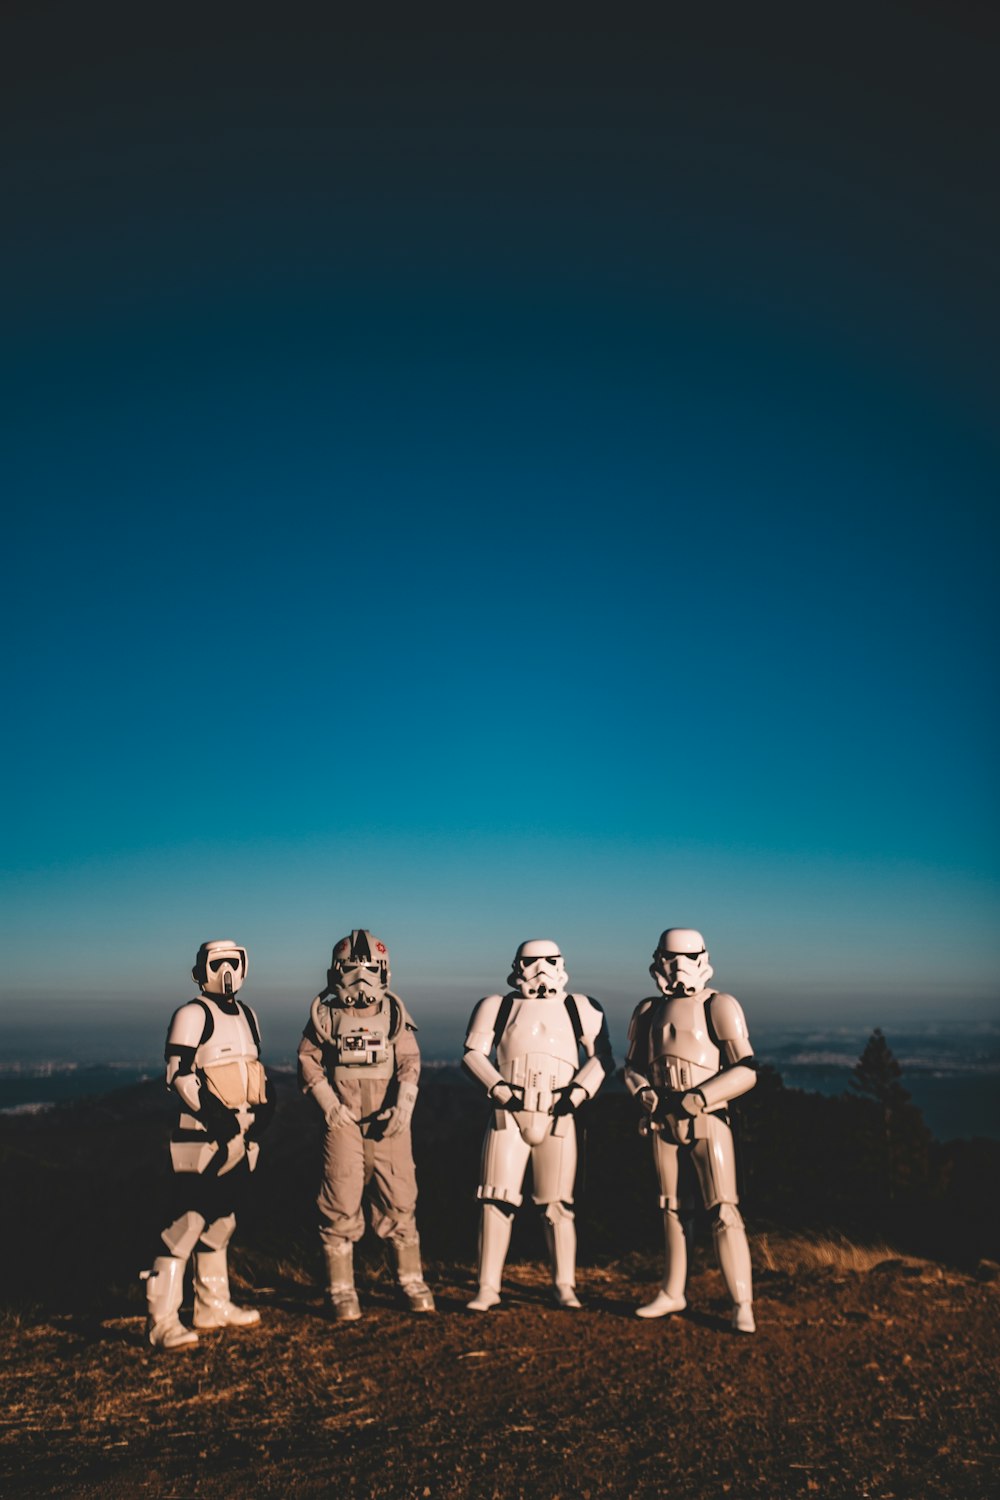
{"x":225,"y":1104}
{"x":539,"y":1034}
{"x":689,"y":1055}
{"x":360,"y":1063}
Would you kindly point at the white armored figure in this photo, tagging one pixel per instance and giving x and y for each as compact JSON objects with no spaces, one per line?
{"x":539,"y":1033}
{"x":689,"y":1056}
{"x":214,"y":1069}
{"x":359,"y":1060}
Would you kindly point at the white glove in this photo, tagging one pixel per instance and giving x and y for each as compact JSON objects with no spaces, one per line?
{"x":398,"y":1118}
{"x":648,"y":1099}
{"x":337,"y":1115}
{"x":335,"y":1111}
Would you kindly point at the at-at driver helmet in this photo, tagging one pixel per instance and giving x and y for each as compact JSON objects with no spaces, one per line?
{"x":359,"y":969}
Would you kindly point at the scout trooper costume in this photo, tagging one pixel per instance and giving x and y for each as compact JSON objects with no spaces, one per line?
{"x":359,"y":1060}
{"x":535,"y":1088}
{"x":214,"y":1068}
{"x":689,"y":1055}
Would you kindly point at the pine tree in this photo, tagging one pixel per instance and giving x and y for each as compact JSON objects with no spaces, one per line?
{"x":904,"y":1138}
{"x":877,"y":1073}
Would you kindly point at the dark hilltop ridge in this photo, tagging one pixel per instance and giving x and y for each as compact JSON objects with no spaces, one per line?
{"x":873,"y":1373}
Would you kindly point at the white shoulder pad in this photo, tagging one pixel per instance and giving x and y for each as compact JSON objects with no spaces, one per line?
{"x":641,"y":1010}
{"x":729,"y":1024}
{"x":187,"y":1026}
{"x":479,"y":1037}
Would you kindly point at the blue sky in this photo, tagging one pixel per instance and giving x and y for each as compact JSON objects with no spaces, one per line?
{"x":482,"y":530}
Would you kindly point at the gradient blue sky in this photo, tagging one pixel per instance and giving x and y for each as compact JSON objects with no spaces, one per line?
{"x":482,"y":484}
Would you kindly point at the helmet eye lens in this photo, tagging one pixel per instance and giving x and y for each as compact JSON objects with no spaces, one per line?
{"x":349,"y":968}
{"x":215,"y":964}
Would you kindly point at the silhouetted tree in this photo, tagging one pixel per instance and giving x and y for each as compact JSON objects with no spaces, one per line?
{"x":904,"y":1141}
{"x":877,"y":1073}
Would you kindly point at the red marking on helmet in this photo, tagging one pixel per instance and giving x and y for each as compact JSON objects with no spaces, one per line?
{"x":380,"y":947}
{"x":344,"y":947}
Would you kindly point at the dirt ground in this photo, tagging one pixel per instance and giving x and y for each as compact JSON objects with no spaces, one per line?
{"x":881,"y":1383}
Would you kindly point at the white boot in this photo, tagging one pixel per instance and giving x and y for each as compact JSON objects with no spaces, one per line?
{"x":560,"y":1239}
{"x":670,"y":1298}
{"x":743,"y":1320}
{"x":410,"y":1271}
{"x":212,"y":1307}
{"x":494,"y":1242}
{"x":341,"y":1298}
{"x":164,"y":1292}
{"x":733,"y":1253}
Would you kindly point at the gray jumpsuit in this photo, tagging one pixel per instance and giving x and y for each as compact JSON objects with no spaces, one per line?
{"x":356,"y":1156}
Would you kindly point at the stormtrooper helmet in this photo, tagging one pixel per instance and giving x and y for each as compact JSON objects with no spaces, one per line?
{"x":359,"y":969}
{"x":220,"y":968}
{"x":538,"y":970}
{"x":680,"y":964}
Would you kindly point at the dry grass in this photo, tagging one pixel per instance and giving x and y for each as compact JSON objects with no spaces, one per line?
{"x":529,"y":1400}
{"x":792,"y":1253}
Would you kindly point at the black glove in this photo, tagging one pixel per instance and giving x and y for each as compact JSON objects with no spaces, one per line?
{"x":218,"y":1119}
{"x":565,"y":1104}
{"x":507,"y":1095}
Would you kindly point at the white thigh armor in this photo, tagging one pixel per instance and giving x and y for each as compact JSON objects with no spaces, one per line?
{"x":712,"y":1155}
{"x":227,"y":1065}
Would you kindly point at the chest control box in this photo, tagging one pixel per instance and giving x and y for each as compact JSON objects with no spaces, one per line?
{"x":359,"y":1047}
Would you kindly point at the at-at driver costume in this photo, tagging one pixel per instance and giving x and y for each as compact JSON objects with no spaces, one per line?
{"x":359,"y":1060}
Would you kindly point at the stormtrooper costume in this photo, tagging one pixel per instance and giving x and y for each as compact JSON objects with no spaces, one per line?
{"x":689,"y":1055}
{"x":214,"y":1069}
{"x":538,"y":1032}
{"x":359,"y":1060}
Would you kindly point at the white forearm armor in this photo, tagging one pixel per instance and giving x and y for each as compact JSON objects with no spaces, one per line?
{"x":727,"y":1086}
{"x":478,"y":1063}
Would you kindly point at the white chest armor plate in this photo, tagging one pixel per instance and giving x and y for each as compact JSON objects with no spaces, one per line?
{"x":538,"y":1050}
{"x":231,"y":1037}
{"x":230,"y":1059}
{"x":682,"y":1053}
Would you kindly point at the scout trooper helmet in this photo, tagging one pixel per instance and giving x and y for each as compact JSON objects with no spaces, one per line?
{"x":359,"y":969}
{"x":538,"y":969}
{"x":680,"y":964}
{"x":220,"y":968}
